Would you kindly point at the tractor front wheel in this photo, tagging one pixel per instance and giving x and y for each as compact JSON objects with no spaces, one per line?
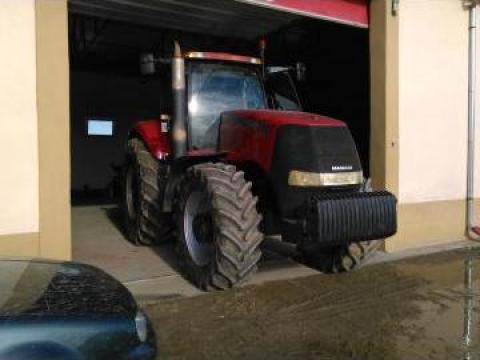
{"x":218,"y":236}
{"x":341,"y":258}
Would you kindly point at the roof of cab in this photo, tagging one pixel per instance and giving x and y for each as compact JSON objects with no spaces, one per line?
{"x":222,"y":57}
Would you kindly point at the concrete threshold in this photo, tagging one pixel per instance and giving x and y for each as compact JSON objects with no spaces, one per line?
{"x":150,"y":290}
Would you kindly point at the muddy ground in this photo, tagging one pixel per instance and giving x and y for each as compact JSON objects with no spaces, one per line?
{"x":419,"y":308}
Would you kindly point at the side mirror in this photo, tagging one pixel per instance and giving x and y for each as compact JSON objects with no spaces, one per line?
{"x":276,"y":69}
{"x":300,"y":71}
{"x":147,"y":64}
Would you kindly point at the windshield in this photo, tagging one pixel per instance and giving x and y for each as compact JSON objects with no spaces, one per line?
{"x":214,"y":89}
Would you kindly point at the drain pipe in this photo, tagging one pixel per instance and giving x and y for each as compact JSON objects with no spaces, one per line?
{"x":473,"y":230}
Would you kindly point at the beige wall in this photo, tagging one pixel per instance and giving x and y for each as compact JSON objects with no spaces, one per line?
{"x":433,"y":40}
{"x":34,"y":129}
{"x":18,"y":119}
{"x":384,"y":96}
{"x":433,"y":83}
{"x":53,"y":128}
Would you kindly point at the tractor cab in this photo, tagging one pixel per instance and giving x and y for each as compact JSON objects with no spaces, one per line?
{"x":217,"y":83}
{"x":220,"y":82}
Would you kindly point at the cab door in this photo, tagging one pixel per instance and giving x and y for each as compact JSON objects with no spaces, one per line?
{"x":282,"y":92}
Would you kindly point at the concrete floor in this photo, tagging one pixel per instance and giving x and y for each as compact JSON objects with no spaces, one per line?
{"x":98,"y":240}
{"x":148,"y":272}
{"x":152,"y":272}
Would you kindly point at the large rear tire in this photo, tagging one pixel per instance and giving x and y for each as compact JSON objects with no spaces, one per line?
{"x":341,"y":258}
{"x":218,"y":236}
{"x":144,"y":182}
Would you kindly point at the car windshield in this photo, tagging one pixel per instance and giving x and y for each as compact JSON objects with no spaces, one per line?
{"x":214,"y":89}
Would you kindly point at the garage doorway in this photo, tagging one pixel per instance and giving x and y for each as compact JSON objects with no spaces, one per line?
{"x":338,"y":72}
{"x":108,"y":95}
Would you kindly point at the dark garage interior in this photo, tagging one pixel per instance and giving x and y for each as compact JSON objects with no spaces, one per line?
{"x":106,"y":86}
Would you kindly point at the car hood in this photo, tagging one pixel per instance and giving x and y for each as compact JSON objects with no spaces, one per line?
{"x":60,"y":288}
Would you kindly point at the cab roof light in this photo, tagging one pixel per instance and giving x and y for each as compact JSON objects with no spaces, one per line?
{"x":223,"y":57}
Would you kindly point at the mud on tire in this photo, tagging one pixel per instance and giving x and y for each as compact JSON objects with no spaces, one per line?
{"x":218,"y":236}
{"x":144,"y":181}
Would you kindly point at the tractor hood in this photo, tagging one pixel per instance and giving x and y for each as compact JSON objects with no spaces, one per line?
{"x":280,"y":118}
{"x":43,"y":288}
{"x":279,"y":142}
{"x":255,"y":135}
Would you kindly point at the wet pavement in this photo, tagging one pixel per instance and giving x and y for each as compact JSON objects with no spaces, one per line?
{"x":419,"y":308}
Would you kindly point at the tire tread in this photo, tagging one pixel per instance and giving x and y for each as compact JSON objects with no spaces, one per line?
{"x":236,"y":234}
{"x":152,"y":226}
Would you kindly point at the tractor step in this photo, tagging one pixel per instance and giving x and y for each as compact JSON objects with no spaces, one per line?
{"x":275,"y":244}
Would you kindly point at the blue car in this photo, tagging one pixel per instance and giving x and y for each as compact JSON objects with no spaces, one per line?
{"x":68,"y":311}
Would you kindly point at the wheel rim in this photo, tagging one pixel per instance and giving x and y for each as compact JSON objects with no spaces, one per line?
{"x":197,"y":226}
{"x":131,"y":193}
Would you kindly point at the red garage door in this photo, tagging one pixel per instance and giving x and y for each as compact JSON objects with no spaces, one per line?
{"x":246,"y":19}
{"x":351,"y":12}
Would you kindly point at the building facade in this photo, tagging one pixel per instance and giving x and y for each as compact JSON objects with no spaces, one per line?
{"x":419,"y":92}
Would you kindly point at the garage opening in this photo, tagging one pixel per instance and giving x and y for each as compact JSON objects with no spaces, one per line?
{"x":108,"y":95}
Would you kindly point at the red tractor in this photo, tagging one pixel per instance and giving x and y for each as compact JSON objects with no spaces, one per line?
{"x":239,"y":161}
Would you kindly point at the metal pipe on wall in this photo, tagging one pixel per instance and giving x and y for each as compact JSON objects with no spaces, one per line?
{"x":473,"y":230}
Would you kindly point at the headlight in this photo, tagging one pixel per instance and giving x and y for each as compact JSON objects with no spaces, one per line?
{"x":302,"y":178}
{"x":141,"y":323}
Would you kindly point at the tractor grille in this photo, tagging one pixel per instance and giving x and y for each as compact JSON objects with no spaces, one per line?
{"x":342,"y":218}
{"x":314,"y":149}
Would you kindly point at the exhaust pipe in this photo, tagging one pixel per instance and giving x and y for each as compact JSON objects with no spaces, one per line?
{"x":179,"y":132}
{"x":473,"y":231}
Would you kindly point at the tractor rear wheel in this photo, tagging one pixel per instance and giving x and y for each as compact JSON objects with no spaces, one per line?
{"x":341,"y":258}
{"x":218,"y":236}
{"x":144,"y":182}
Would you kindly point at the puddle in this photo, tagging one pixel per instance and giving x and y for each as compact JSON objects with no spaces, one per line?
{"x":421,"y":308}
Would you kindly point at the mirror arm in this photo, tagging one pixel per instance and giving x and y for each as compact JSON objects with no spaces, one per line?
{"x":166,"y":61}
